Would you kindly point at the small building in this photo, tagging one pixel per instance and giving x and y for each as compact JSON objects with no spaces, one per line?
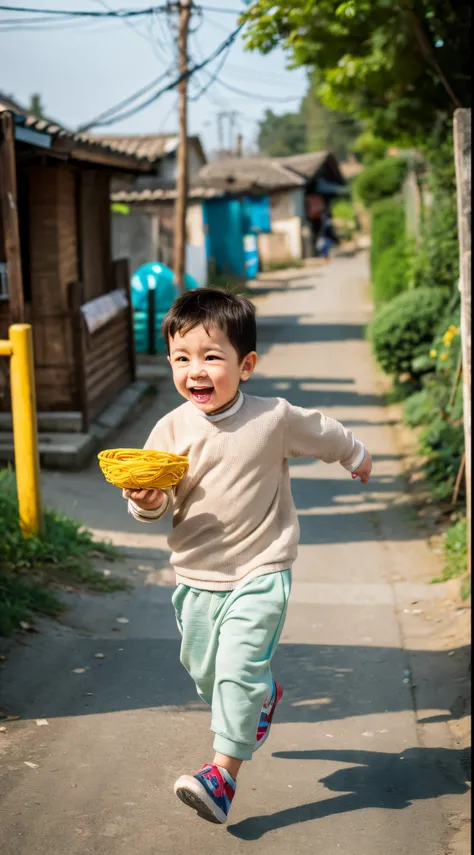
{"x":56,"y":265}
{"x":143,"y":210}
{"x":279,"y":200}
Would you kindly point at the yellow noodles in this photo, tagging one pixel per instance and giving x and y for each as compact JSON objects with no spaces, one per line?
{"x":136,"y":469}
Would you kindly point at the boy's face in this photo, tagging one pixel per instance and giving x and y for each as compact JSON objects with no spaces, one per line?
{"x":206,"y":367}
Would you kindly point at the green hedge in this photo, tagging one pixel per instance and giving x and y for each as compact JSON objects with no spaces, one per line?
{"x":381,"y":180}
{"x":389,"y":250}
{"x":404,"y":328}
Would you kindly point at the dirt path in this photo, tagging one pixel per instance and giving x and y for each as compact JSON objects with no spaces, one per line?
{"x":351,"y":768}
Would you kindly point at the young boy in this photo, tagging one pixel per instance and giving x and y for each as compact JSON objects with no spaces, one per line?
{"x":235,"y":528}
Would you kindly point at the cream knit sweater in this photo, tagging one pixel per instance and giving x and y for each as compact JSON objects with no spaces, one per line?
{"x":233,"y":514}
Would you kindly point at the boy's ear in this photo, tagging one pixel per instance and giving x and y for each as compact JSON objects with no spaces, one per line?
{"x":248,"y":365}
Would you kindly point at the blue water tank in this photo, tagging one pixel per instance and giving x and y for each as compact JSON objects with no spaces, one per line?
{"x":159,"y":278}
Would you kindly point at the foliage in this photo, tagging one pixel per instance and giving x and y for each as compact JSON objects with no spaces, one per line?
{"x":390,"y":253}
{"x":382,"y":179}
{"x":404,"y":328}
{"x":441,"y":443}
{"x":28,"y":565}
{"x":369,"y":148}
{"x":389,"y":277}
{"x":438,"y":259}
{"x":344,"y":218}
{"x":327,"y":129}
{"x":454,"y":551}
{"x":439,"y":407}
{"x":387,"y":227}
{"x":19,"y":599}
{"x":283,"y":135}
{"x":36,"y":106}
{"x":313,"y":128}
{"x":395,"y":65}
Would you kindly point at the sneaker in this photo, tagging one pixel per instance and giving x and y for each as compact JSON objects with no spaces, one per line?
{"x":266,"y":716}
{"x":208,"y":792}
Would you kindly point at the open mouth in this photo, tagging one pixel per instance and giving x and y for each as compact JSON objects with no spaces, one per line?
{"x":201,"y":394}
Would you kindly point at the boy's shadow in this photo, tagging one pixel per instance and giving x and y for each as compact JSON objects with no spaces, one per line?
{"x":379,"y":780}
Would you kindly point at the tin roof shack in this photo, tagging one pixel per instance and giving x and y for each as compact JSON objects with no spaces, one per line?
{"x":56,"y":269}
{"x":297,"y":190}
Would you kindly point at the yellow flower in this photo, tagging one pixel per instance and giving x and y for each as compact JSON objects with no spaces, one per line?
{"x":444,"y":357}
{"x":433,"y":353}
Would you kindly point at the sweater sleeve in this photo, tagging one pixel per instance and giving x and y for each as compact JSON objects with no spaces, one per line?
{"x":160,"y":439}
{"x":309,"y":433}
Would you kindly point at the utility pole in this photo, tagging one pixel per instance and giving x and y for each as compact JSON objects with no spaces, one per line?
{"x":184,"y":7}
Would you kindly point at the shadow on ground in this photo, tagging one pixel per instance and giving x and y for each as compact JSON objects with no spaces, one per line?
{"x":374,"y":780}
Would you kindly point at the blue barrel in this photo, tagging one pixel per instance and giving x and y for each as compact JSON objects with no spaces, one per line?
{"x":158,"y":278}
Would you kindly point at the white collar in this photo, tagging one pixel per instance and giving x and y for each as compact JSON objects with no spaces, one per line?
{"x":217,"y":417}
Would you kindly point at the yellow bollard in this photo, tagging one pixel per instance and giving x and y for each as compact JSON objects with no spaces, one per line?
{"x":25,"y":434}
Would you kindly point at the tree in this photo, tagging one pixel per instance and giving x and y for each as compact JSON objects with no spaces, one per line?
{"x":313,"y":128}
{"x":399,"y":65}
{"x":279,"y":136}
{"x":36,"y":106}
{"x":326,"y":129}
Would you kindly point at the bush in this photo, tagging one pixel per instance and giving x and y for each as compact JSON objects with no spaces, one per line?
{"x":442,"y":444}
{"x":437,"y":262}
{"x":390,"y":276}
{"x":404,"y":328}
{"x":369,"y":148}
{"x":29,"y":566}
{"x":384,"y":178}
{"x":387,"y":227}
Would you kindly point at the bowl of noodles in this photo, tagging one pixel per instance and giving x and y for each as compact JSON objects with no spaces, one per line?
{"x":140,"y":469}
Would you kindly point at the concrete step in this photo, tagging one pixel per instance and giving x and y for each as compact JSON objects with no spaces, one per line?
{"x":72,"y":450}
{"x":68,"y":422}
{"x":56,"y":450}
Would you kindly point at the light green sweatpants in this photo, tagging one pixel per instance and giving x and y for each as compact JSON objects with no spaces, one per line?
{"x":228,"y":640}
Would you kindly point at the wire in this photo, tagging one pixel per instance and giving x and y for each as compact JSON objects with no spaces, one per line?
{"x":113,"y":13}
{"x":174,"y":83}
{"x":86,"y":13}
{"x":213,"y":76}
{"x":257,"y":96}
{"x":125,"y":102}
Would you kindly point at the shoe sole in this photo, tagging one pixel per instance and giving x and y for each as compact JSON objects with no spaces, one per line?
{"x":267,"y":733}
{"x":195,"y":796}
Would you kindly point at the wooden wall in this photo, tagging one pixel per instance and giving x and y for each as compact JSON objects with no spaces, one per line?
{"x":108,"y":368}
{"x":95,"y":232}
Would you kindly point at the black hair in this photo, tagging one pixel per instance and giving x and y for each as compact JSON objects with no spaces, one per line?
{"x":232,"y":314}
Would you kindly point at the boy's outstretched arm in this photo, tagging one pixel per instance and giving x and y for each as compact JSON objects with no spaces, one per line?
{"x":309,"y":433}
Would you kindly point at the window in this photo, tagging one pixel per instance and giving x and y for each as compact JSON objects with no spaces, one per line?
{"x":3,"y":280}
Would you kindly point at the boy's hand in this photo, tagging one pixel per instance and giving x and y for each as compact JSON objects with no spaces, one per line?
{"x":365,"y":468}
{"x":147,"y":500}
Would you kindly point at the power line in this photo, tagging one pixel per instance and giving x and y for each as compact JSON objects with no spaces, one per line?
{"x":115,"y":13}
{"x":183,"y":76}
{"x":257,"y":96}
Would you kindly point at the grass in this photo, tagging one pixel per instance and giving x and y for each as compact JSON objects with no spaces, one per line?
{"x":34,"y":569}
{"x":455,"y":556}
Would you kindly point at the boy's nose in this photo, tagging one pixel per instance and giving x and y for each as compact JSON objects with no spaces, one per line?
{"x":197,"y":370}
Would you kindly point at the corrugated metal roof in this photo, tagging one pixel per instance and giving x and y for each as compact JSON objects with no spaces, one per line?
{"x":79,"y":141}
{"x":152,"y":146}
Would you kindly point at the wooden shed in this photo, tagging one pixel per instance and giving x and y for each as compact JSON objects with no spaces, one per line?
{"x":56,"y":268}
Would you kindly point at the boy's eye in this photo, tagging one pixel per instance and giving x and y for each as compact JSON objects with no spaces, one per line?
{"x":212,"y":356}
{"x":181,"y":359}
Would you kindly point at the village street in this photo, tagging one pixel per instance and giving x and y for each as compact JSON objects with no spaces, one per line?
{"x":350,"y":768}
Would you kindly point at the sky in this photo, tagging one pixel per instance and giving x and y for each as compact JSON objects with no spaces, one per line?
{"x":84,"y":68}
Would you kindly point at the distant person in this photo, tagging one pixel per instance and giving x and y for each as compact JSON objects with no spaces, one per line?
{"x":327,"y":237}
{"x":235,"y":528}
